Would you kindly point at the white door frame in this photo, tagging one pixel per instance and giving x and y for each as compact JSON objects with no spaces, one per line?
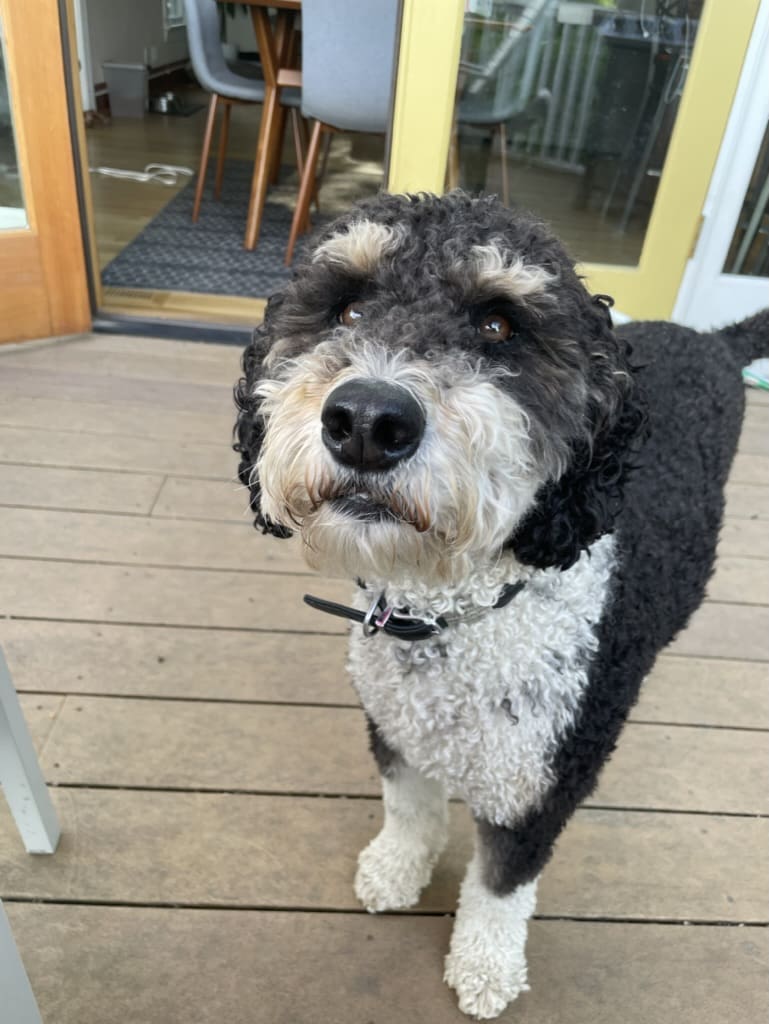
{"x":707,"y":297}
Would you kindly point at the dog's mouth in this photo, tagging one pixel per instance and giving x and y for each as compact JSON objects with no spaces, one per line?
{"x":371,"y":509}
{"x":364,"y":508}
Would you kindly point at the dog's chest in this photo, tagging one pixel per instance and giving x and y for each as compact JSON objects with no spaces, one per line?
{"x":484,"y":707}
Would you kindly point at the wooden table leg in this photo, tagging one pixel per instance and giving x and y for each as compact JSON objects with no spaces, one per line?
{"x":284,"y":44}
{"x":260,"y":180}
{"x":268,"y":127}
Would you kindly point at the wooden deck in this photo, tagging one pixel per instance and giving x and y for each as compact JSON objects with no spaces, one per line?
{"x":210,"y":766}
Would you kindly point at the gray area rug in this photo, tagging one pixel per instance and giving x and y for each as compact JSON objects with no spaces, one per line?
{"x":173,"y":254}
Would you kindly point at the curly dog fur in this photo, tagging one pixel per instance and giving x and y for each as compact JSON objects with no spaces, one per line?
{"x":442,"y":410}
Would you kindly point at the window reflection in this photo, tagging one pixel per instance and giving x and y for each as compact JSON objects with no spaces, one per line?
{"x":749,"y":250}
{"x":568,"y":109}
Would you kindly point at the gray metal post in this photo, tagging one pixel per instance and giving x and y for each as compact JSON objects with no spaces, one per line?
{"x":18,"y":1001}
{"x":20,"y":775}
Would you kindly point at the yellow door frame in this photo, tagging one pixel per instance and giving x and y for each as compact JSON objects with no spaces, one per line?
{"x":424,"y":105}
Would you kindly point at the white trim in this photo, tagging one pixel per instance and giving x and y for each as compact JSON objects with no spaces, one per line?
{"x":173,"y":16}
{"x":84,"y":55}
{"x":13,"y":218}
{"x":707,"y":297}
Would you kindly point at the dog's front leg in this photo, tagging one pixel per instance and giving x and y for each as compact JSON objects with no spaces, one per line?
{"x":396,"y":865}
{"x":486,"y":964}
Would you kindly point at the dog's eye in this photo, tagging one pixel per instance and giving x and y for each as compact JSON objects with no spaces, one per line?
{"x":495,"y":327}
{"x":351,"y":314}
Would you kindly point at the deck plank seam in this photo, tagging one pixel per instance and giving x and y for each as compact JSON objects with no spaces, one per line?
{"x":288,"y":909}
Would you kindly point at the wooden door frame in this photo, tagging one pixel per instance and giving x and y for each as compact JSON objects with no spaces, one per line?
{"x":43,"y":280}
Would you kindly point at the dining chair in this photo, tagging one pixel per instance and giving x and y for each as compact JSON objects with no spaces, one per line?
{"x":348,"y":67}
{"x":227,"y":88}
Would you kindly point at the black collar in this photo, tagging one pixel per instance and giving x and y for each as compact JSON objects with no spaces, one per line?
{"x":397,"y":622}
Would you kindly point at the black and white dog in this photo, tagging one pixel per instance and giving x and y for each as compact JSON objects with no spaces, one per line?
{"x":444,"y":413}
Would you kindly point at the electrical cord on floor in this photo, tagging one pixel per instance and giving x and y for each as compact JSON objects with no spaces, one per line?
{"x":161,"y":174}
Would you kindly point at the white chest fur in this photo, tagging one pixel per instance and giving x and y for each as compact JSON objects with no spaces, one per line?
{"x":483,"y":707}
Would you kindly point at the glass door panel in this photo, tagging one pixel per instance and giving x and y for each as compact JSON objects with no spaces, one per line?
{"x":567,"y":109}
{"x":12,"y":210}
{"x":749,"y":251}
{"x":605,"y":118}
{"x":160,"y":252}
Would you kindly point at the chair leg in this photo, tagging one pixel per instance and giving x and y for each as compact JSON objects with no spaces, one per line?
{"x":319,"y":178}
{"x":298,"y":141}
{"x":503,"y":152}
{"x":224,"y":135}
{"x":278,"y":151}
{"x":300,"y":145}
{"x":305,"y":133}
{"x":305,"y":190}
{"x":18,"y":999}
{"x":260,"y":180}
{"x":209,"y":133}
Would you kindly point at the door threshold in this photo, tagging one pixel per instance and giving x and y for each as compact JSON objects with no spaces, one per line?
{"x":148,"y":303}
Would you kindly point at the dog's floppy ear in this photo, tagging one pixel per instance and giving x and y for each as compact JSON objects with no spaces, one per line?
{"x":583,"y":504}
{"x":249,"y":428}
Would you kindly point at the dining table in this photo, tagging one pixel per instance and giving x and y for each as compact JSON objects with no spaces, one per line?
{"x":276,"y":41}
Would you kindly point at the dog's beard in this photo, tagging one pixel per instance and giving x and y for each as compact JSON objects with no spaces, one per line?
{"x":434,"y":517}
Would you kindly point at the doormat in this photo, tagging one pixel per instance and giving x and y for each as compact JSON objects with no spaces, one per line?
{"x":173,"y":254}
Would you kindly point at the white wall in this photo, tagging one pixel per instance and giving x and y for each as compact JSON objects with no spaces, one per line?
{"x":240,"y":31}
{"x":124,"y":31}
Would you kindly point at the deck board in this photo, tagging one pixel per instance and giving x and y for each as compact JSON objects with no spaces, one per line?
{"x":748,"y":501}
{"x":80,"y":490}
{"x":284,"y":749}
{"x":114,"y":416}
{"x":205,"y":598}
{"x":243,"y":850}
{"x":90,"y":537}
{"x":152,"y":396}
{"x":179,"y":663}
{"x":742,"y":574}
{"x":274,"y":968}
{"x":72,"y":449}
{"x":726,"y":631}
{"x":740,"y":581}
{"x":206,"y":750}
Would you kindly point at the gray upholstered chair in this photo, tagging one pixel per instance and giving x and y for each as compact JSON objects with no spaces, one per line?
{"x":226,"y":87}
{"x":348,"y":64}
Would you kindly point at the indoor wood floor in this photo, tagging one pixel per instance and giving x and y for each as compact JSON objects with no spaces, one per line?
{"x":210,"y":767}
{"x":122,"y":208}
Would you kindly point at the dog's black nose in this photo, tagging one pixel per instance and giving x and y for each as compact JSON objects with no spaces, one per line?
{"x":370,"y":425}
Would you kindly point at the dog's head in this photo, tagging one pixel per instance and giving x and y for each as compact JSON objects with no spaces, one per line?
{"x":436,"y":386}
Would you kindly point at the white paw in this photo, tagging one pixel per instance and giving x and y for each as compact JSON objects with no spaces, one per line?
{"x":392,"y":872}
{"x":485,"y":981}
